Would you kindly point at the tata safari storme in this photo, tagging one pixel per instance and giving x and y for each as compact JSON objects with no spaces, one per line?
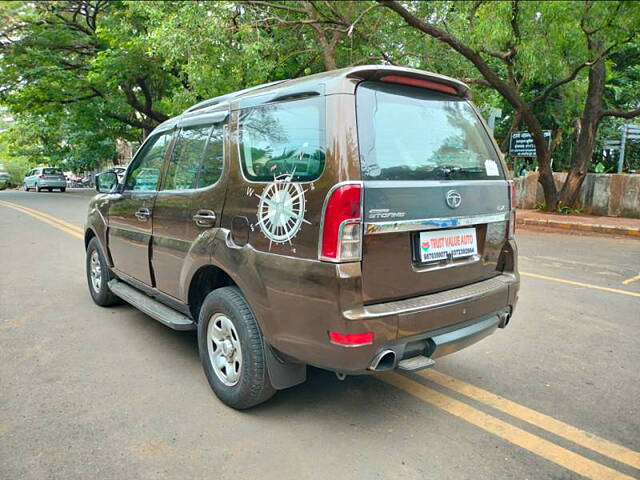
{"x":358,"y":220}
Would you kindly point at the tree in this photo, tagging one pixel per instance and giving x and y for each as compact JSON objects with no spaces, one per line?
{"x":80,"y":70}
{"x":506,"y":47}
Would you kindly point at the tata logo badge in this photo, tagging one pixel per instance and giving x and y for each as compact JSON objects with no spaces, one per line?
{"x":453,"y":198}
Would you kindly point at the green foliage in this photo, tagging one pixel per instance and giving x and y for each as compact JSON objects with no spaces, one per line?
{"x":568,"y":210}
{"x":78,"y":79}
{"x":17,"y":168}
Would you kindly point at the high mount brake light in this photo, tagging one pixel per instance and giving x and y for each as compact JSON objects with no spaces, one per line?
{"x":416,"y":82}
{"x":341,"y":233}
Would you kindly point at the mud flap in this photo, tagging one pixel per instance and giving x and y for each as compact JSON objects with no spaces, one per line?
{"x":283,"y":374}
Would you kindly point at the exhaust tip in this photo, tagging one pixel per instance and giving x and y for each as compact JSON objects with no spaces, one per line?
{"x":385,"y":360}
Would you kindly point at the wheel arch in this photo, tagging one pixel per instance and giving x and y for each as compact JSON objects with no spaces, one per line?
{"x":205,"y":280}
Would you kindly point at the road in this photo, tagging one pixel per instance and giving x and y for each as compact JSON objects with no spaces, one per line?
{"x":87,"y":392}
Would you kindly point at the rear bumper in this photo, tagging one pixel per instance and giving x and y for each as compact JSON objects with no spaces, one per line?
{"x":51,"y":184}
{"x":432,"y":325}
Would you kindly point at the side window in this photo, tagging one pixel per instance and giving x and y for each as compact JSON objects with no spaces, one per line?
{"x":283,"y":138}
{"x":145,"y":171}
{"x":186,"y":157}
{"x":213,"y":158}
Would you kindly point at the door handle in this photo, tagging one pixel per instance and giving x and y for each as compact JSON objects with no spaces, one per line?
{"x":143,"y":214}
{"x":205,"y":218}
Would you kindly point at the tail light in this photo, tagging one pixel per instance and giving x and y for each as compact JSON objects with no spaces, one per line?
{"x":511,"y":226}
{"x":41,"y":175}
{"x":341,"y":230}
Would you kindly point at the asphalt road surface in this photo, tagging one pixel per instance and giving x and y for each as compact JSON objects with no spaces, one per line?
{"x":88,"y":392}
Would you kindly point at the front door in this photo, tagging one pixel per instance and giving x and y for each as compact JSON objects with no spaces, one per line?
{"x":130,"y":216}
{"x":188,"y":207}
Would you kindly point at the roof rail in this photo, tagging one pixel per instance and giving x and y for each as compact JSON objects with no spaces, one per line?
{"x":228,"y":96}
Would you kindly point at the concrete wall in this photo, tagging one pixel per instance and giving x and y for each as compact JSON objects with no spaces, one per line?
{"x":600,"y":194}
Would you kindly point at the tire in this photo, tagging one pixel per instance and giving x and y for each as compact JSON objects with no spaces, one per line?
{"x":252,"y":385}
{"x":26,"y":189}
{"x":63,"y":189}
{"x":38,"y":189}
{"x":49,"y":190}
{"x":99,"y":289}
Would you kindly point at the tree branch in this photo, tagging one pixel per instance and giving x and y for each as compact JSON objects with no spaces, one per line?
{"x":621,"y":114}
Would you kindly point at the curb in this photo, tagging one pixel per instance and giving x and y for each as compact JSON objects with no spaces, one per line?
{"x":584,"y":227}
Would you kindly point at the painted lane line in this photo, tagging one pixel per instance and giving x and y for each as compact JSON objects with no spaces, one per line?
{"x":632,"y":279}
{"x":515,"y":435}
{"x":504,"y":430}
{"x":73,"y":232}
{"x":579,"y":437}
{"x":42,"y":214}
{"x":579,"y":284}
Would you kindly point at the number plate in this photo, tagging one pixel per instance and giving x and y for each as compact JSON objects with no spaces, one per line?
{"x":440,"y":245}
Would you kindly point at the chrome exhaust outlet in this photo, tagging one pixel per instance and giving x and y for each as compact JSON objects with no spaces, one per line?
{"x":385,"y":360}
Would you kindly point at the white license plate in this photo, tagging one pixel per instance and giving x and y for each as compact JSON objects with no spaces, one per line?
{"x":447,"y":244}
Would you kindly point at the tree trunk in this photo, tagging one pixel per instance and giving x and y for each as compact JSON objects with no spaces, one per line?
{"x":543,"y":156}
{"x":586,"y":138}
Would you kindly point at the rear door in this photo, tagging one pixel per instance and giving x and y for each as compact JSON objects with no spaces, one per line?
{"x":435,"y":193}
{"x":188,"y":208}
{"x":130,"y":215}
{"x":53,"y":174}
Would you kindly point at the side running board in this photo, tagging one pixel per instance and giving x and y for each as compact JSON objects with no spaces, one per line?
{"x":151,"y":307}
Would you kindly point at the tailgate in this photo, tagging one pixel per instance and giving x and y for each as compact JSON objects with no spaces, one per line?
{"x":396,"y":213}
{"x":436,"y":198}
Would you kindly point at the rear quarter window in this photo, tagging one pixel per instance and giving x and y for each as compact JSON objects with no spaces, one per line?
{"x":410,"y":133}
{"x":283,"y":138}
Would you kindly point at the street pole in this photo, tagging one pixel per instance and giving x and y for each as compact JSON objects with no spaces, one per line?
{"x":623,"y":142}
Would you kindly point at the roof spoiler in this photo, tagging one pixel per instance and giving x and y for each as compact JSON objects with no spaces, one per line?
{"x":411,"y":76}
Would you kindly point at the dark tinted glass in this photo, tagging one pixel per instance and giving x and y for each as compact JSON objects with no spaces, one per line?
{"x":51,"y":171}
{"x":145,"y":173}
{"x":283,"y":138}
{"x":186,"y":158}
{"x":213,"y":158}
{"x":409,"y":133}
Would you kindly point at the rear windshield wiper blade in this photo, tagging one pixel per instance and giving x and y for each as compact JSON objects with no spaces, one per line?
{"x":448,"y":170}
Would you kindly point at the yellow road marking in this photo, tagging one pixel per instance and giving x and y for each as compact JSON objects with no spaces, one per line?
{"x":528,"y":441}
{"x":573,"y":434}
{"x":38,"y":212}
{"x":53,"y":221}
{"x":500,"y":428}
{"x":579,"y":284}
{"x":629,"y":280}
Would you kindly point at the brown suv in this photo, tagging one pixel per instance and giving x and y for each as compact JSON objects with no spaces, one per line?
{"x":357,"y":220}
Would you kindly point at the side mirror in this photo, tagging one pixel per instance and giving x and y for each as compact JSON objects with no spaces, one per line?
{"x":106,"y":182}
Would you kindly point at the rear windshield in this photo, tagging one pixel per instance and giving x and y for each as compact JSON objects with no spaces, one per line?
{"x":51,"y":171}
{"x":409,"y":133}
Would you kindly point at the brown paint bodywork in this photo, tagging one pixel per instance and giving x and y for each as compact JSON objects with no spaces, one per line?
{"x":296,"y":298}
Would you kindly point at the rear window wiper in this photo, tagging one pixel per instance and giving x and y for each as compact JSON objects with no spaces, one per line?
{"x":448,"y":170}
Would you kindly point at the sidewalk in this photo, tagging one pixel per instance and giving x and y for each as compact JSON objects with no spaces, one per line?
{"x":585,"y":223}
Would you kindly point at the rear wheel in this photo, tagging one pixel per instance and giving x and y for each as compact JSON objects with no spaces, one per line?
{"x":38,"y":189}
{"x":26,"y":189}
{"x":98,"y":275}
{"x":232,"y":350}
{"x":63,"y":189}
